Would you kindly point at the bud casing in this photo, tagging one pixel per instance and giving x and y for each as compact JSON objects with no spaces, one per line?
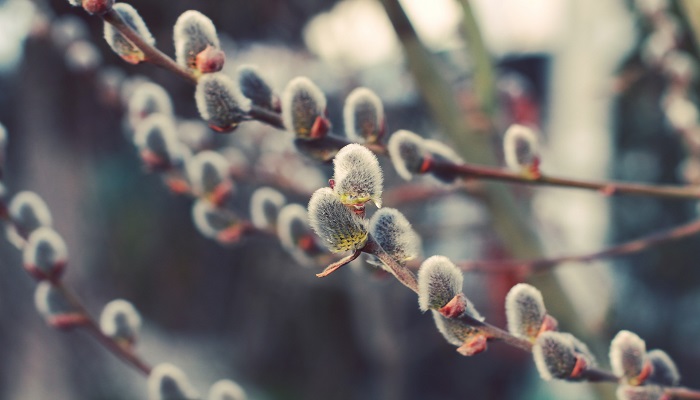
{"x":120,"y":321}
{"x":304,"y":109}
{"x":363,"y":115}
{"x":220,"y":102}
{"x":439,"y":281}
{"x":168,"y":382}
{"x":45,"y":256}
{"x":124,"y":47}
{"x":357,"y":176}
{"x":339,"y":228}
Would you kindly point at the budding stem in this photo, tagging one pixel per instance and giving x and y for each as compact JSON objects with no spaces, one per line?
{"x":539,"y":265}
{"x":401,"y":272}
{"x":153,"y":55}
{"x":91,"y":326}
{"x":336,"y":265}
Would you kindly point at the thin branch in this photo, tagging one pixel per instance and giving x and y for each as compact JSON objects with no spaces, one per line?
{"x":153,"y":55}
{"x":682,"y":393}
{"x":401,"y":272}
{"x":544,"y":264}
{"x":91,"y":326}
{"x":344,"y":261}
{"x":472,"y":171}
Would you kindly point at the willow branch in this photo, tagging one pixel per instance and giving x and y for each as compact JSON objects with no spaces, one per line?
{"x":544,"y":264}
{"x":153,"y":55}
{"x":609,"y":188}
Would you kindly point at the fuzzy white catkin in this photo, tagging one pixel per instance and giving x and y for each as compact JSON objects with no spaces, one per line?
{"x":302,"y":103}
{"x":627,"y":354}
{"x":28,"y":212}
{"x":120,"y":320}
{"x":292,"y":223}
{"x":207,"y":170}
{"x":148,"y":98}
{"x":394,"y":233}
{"x":3,"y":144}
{"x":209,"y":220}
{"x":664,"y":372}
{"x":555,"y":355}
{"x":75,"y":3}
{"x":120,"y":44}
{"x":254,"y":87}
{"x":226,"y":389}
{"x":192,"y":33}
{"x":407,"y":151}
{"x":45,"y":250}
{"x":50,"y":302}
{"x":363,"y":115}
{"x":525,"y":311}
{"x":220,"y":101}
{"x":439,"y":280}
{"x":358,"y":176}
{"x":157,"y":133}
{"x":339,"y":228}
{"x":168,"y":382}
{"x":520,"y":147}
{"x":265,"y":204}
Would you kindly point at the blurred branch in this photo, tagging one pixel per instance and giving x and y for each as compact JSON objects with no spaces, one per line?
{"x":483,"y":67}
{"x":544,"y":264}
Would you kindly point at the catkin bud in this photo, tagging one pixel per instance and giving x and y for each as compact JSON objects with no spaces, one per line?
{"x":525,"y":311}
{"x":124,"y":47}
{"x":265,"y":205}
{"x":296,"y":235}
{"x":193,"y":34}
{"x":212,"y":222}
{"x":357,"y":176}
{"x":556,"y":357}
{"x":97,"y":7}
{"x":148,"y":98}
{"x":3,"y":148}
{"x":439,"y":280}
{"x":74,"y":3}
{"x":56,"y":309}
{"x":639,"y":393}
{"x":168,"y":382}
{"x":256,"y":89}
{"x":364,"y":116}
{"x":29,"y":212}
{"x":208,"y":172}
{"x":45,"y":255}
{"x":304,"y":109}
{"x":628,"y":358}
{"x":220,"y":102}
{"x":226,"y":389}
{"x":664,"y":370}
{"x":120,"y":321}
{"x":459,"y":334}
{"x":394,"y":233}
{"x":339,"y":229}
{"x":521,"y":149}
{"x":408,"y":153}
{"x":156,"y":139}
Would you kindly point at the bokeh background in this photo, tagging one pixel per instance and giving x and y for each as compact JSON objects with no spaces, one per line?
{"x":588,"y":73}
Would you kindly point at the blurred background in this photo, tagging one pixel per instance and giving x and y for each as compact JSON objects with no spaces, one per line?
{"x":609,"y":83}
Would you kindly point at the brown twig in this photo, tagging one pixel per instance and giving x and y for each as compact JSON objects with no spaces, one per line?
{"x":91,"y":326}
{"x":472,"y":171}
{"x":540,"y":265}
